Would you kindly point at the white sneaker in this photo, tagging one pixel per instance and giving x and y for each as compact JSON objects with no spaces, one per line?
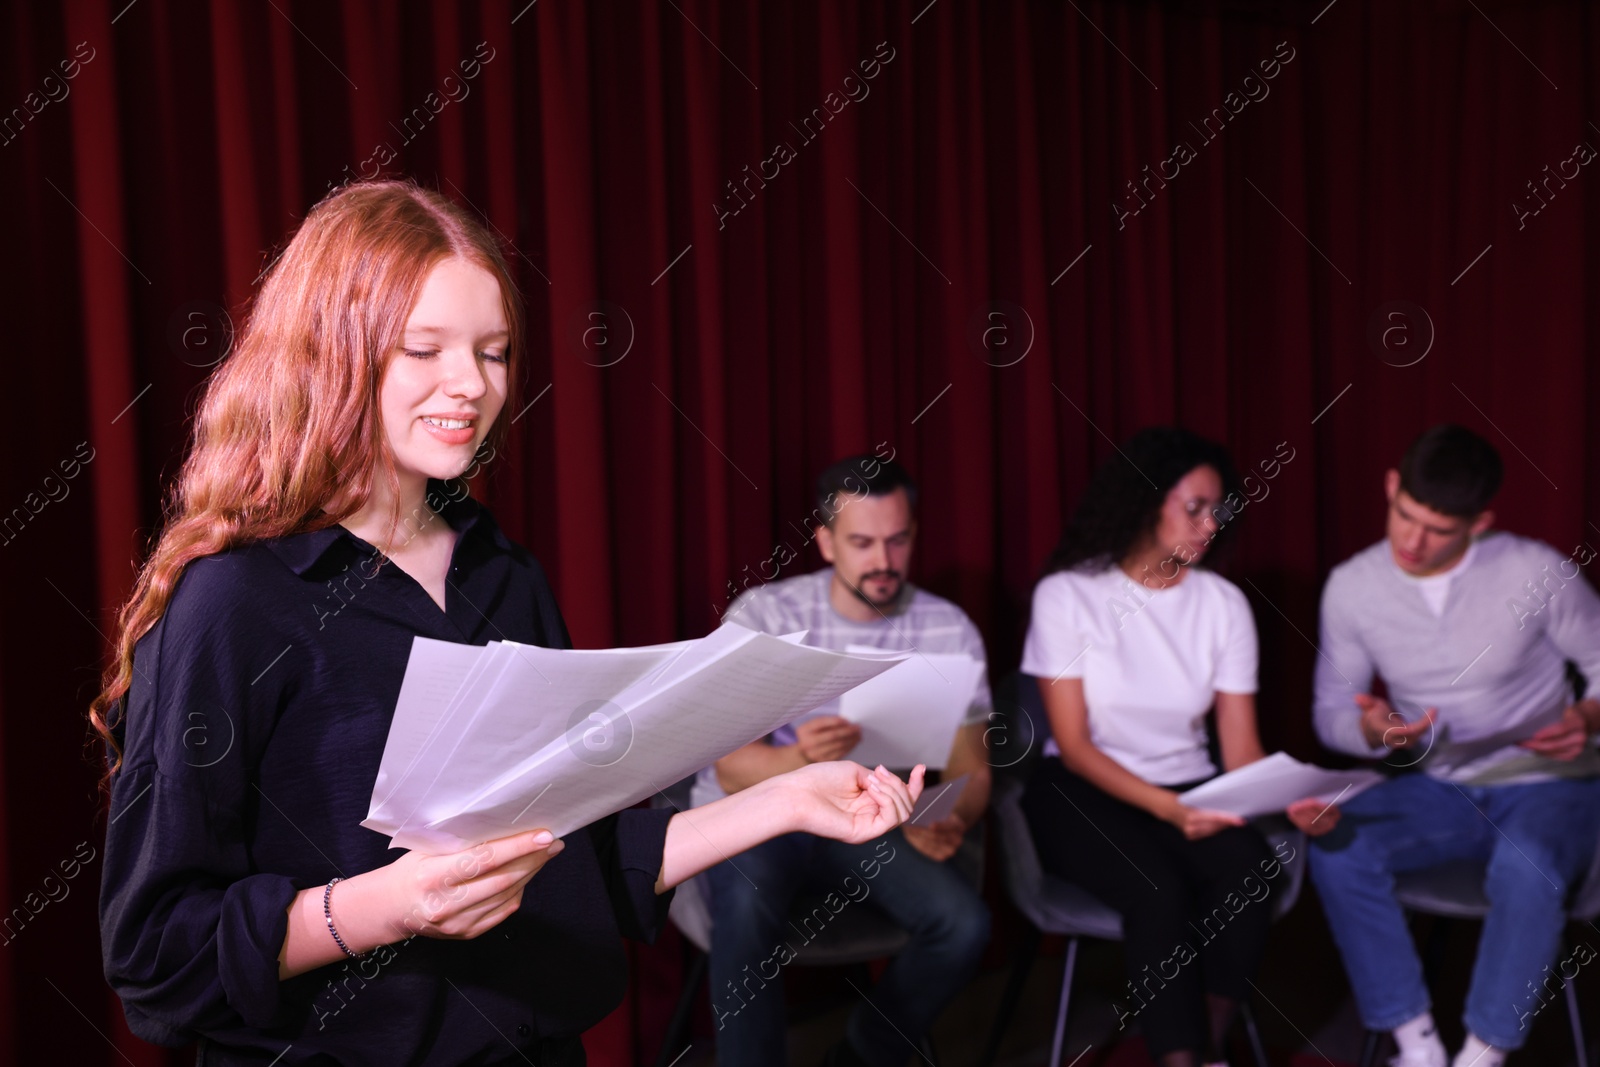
{"x":1477,"y":1054}
{"x":1428,"y":1056}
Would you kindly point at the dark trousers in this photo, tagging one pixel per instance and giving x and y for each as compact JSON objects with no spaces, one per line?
{"x":754,"y":936}
{"x":1195,"y":914}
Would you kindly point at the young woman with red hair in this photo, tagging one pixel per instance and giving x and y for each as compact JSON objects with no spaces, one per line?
{"x":320,"y":522}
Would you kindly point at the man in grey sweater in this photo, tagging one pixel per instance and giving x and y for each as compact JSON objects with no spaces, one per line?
{"x":1471,"y":632}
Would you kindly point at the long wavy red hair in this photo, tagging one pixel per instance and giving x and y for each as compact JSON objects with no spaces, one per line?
{"x":289,"y":422}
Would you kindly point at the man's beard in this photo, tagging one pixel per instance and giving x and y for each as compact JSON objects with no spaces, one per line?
{"x":862,"y":596}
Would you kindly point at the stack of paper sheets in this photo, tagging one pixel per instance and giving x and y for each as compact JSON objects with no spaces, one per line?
{"x":490,"y":740}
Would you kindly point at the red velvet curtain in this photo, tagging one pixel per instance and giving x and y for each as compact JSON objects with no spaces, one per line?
{"x":993,"y":238}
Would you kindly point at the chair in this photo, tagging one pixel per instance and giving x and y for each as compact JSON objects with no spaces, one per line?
{"x":855,"y":936}
{"x":1455,"y":891}
{"x":1053,"y":905}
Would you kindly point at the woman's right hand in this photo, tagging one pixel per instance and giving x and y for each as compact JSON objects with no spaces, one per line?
{"x":462,"y":895}
{"x":1197,"y":823}
{"x":455,"y":895}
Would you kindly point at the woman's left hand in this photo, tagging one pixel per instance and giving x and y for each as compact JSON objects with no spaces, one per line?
{"x":1313,"y":816}
{"x":847,"y":802}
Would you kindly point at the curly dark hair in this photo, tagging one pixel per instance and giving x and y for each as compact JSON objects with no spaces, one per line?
{"x":1122,"y":503}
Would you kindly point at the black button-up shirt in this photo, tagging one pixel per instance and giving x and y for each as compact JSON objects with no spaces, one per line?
{"x":259,"y":709}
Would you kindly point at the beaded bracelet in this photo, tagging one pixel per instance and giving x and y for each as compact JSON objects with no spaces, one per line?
{"x":327,"y":912}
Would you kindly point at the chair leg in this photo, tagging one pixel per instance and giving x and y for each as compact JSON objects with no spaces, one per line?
{"x":1027,"y":952}
{"x":1369,"y":1048}
{"x":678,"y":1027}
{"x":1579,"y":1046}
{"x":1066,"y":999}
{"x":1257,"y":1049}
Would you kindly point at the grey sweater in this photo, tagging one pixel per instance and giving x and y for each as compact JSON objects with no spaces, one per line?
{"x":1492,"y":662}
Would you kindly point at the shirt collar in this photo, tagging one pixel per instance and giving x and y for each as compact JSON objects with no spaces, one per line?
{"x":1443,"y":577}
{"x":302,"y":551}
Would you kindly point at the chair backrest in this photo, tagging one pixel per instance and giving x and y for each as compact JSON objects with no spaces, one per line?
{"x":1278,"y":831}
{"x":1019,"y":727}
{"x":1016,"y":742}
{"x":1053,"y":905}
{"x":1020,"y":870}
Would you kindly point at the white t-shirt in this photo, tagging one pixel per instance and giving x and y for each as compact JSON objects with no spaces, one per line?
{"x":1435,"y":588}
{"x":1151,"y":660}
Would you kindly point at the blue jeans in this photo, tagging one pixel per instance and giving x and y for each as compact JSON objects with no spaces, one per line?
{"x":754,"y":934}
{"x":1536,"y":842}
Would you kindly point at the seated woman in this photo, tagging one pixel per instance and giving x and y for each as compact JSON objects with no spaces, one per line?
{"x":320,"y":523}
{"x":1133,"y":642}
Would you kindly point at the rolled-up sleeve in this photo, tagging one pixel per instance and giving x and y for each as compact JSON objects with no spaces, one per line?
{"x":190,"y":938}
{"x":190,"y":932}
{"x":630,"y":845}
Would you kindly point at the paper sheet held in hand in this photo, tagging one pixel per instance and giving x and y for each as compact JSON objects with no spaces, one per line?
{"x":490,"y":740}
{"x":909,"y":715}
{"x":937,"y":801}
{"x":1272,"y":784}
